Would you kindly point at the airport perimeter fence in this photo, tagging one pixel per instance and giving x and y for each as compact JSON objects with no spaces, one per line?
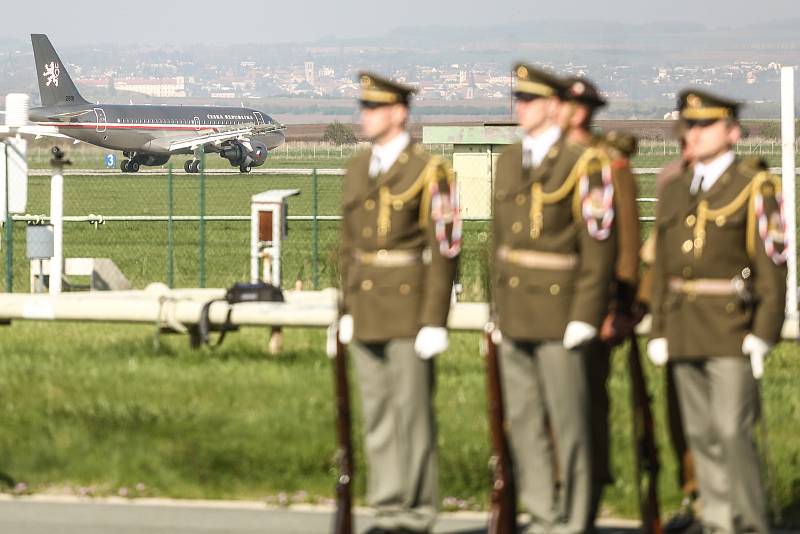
{"x":189,"y":230}
{"x":192,"y":230}
{"x":310,"y":154}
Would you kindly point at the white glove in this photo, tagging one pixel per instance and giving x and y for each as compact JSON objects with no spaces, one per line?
{"x":431,"y":340}
{"x":757,"y":349}
{"x":346,"y":329}
{"x":578,"y":333}
{"x":657,"y":351}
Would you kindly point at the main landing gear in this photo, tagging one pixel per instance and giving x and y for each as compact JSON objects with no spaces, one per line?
{"x":129,"y":165}
{"x":192,"y":166}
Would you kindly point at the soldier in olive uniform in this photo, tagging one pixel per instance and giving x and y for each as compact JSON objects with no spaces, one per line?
{"x":554,"y":250}
{"x":582,"y":100}
{"x":719,"y":285}
{"x":399,"y":243}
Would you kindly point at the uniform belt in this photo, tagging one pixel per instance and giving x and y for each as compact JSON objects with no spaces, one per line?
{"x":534,"y":259}
{"x":712,"y":287}
{"x":389,"y":258}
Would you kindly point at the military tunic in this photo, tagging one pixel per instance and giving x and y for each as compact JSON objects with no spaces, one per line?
{"x":706,"y":236}
{"x":537,"y":303}
{"x":397,"y":274}
{"x":390,"y":259}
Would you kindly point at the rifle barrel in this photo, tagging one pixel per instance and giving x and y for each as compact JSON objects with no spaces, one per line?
{"x":343,"y":521}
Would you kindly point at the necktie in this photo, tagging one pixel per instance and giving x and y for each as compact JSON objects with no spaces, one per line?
{"x":374,"y":165}
{"x":527,"y":158}
{"x":697,"y":184}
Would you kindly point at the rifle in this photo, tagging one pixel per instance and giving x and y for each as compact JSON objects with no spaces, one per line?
{"x":644,"y":444}
{"x":503,"y":516}
{"x":343,"y":520}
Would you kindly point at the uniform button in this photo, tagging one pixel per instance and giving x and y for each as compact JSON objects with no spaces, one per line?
{"x":698,"y":242}
{"x":687,"y":246}
{"x":687,"y":272}
{"x":366,"y":285}
{"x":690,"y":220}
{"x":520,"y":199}
{"x":730,"y":307}
{"x":721,"y":220}
{"x":555,"y":289}
{"x":369,"y":204}
{"x":405,"y":289}
{"x":366,"y":232}
{"x":382,"y":253}
{"x":516,"y":227}
{"x":397,"y":205}
{"x":513,"y":282}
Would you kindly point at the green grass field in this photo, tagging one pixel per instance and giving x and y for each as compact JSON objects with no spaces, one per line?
{"x":93,"y":409}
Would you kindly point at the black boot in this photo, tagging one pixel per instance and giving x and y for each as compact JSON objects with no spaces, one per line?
{"x":684,"y":520}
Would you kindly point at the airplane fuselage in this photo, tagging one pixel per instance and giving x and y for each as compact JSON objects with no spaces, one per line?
{"x":149,"y":128}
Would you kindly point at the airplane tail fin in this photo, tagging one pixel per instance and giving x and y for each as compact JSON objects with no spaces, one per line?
{"x":55,"y":85}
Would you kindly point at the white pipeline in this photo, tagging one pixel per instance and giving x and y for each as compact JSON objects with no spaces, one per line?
{"x":789,"y":179}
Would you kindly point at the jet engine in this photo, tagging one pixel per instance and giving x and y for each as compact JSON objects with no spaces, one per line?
{"x":245,"y":155}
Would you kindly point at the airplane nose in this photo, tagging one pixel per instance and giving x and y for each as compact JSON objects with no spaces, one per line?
{"x":280,"y":138}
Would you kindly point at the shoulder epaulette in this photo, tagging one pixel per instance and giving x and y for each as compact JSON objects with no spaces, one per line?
{"x":752,"y":165}
{"x":623,"y":143}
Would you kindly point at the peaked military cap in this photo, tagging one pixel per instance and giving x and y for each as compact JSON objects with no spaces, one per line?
{"x":699,"y":105}
{"x":536,"y":82}
{"x":584,"y":92}
{"x":377,"y":90}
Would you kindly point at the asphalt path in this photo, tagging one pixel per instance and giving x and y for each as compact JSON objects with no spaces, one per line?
{"x":50,"y":515}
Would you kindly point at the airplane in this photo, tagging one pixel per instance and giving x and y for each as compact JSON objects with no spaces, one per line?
{"x":150,"y":134}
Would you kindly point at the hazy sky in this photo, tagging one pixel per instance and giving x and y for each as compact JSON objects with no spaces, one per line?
{"x":80,"y":22}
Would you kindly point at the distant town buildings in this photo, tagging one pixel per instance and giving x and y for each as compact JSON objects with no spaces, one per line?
{"x":327,"y":77}
{"x":160,"y":87}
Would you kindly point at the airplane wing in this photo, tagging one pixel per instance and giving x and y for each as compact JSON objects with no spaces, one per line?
{"x":71,"y":114}
{"x":31,"y":130}
{"x":239,"y":133}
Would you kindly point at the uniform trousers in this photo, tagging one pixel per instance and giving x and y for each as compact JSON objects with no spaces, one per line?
{"x":720,"y":403}
{"x":397,"y":388}
{"x":545,"y":384}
